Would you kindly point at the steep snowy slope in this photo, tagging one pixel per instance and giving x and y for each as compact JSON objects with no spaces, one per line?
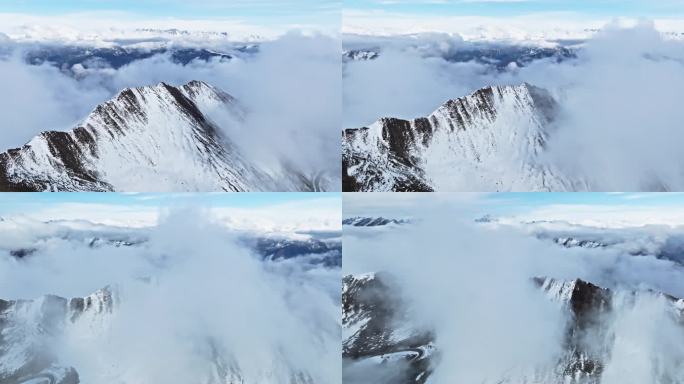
{"x":61,"y":340}
{"x":492,"y":140}
{"x":158,"y":138}
{"x":31,"y":330}
{"x":377,"y":332}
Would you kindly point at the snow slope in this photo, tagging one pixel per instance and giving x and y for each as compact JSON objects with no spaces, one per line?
{"x":376,"y":331}
{"x":157,"y":138}
{"x":491,"y":140}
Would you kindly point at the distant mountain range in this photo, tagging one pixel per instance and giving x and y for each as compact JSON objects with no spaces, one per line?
{"x":71,"y":58}
{"x":362,"y":221}
{"x":499,"y":56}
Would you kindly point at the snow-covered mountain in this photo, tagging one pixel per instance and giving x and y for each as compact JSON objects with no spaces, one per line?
{"x":359,"y":55}
{"x":44,"y":337}
{"x":27,"y":328}
{"x":155,"y":138}
{"x":30,"y":329}
{"x":491,"y":140}
{"x":364,"y":221}
{"x":377,"y":332}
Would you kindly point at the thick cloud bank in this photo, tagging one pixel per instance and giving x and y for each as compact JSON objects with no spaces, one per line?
{"x":291,"y":88}
{"x":618,"y":126}
{"x":190,"y":299}
{"x":470,"y":283}
{"x":463,"y":285}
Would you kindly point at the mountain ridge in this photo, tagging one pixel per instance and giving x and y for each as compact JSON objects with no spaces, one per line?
{"x":492,"y":139}
{"x":153,"y":138}
{"x":376,"y":328}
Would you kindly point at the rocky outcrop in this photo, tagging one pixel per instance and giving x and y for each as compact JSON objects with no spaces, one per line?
{"x":491,"y":140}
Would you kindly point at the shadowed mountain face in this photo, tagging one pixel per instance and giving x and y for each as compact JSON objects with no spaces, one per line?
{"x":159,"y":138}
{"x":491,"y":140}
{"x":373,"y":330}
{"x":378,"y":333}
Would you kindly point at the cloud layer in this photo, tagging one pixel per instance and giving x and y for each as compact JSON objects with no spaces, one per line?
{"x":617,"y":128}
{"x":190,"y":297}
{"x":471,"y":284}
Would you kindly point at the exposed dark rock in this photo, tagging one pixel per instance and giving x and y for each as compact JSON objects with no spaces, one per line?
{"x":22,"y":252}
{"x":374,"y":301}
{"x":360,"y":221}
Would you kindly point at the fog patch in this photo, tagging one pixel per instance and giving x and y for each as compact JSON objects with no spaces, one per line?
{"x":648,"y":342}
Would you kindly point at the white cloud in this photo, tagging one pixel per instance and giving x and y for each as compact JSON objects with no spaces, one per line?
{"x":190,"y":295}
{"x":470,"y":283}
{"x":398,"y":205}
{"x":539,"y":26}
{"x":288,"y":217}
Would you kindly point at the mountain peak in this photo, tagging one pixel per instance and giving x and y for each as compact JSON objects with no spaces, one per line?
{"x":198,"y":84}
{"x":364,"y":221}
{"x":461,"y":146}
{"x":152,"y":138}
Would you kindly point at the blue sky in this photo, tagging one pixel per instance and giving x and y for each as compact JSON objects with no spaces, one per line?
{"x":502,"y":8}
{"x":293,"y":10}
{"x":22,"y":202}
{"x":520,"y":202}
{"x":474,"y":205}
{"x":261,"y":12}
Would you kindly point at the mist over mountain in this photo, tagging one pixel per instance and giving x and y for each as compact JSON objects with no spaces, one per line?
{"x":508,"y":301}
{"x":204,"y":302}
{"x":70,"y":83}
{"x":467,"y":144}
{"x":607,"y":95}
